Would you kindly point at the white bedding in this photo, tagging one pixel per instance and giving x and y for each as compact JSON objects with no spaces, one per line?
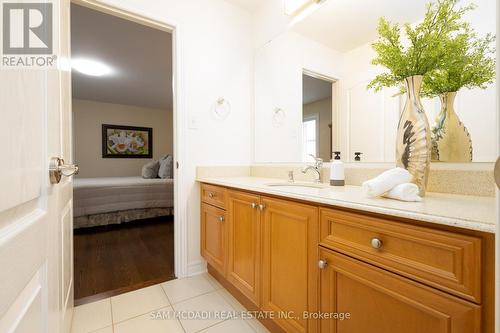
{"x":111,"y":194}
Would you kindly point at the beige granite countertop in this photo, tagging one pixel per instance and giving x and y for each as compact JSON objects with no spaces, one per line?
{"x":469,"y":212}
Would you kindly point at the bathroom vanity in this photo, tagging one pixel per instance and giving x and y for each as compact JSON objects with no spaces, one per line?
{"x":295,"y":248}
{"x":352,"y":264}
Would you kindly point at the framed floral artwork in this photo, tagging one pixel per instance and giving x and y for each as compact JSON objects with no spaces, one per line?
{"x":126,"y":141}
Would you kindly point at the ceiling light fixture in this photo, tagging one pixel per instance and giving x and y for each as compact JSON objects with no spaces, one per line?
{"x":91,"y":67}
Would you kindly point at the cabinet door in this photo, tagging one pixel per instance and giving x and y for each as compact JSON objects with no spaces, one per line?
{"x":243,"y":269}
{"x":290,"y":273}
{"x":380,"y":301}
{"x":213,"y":236}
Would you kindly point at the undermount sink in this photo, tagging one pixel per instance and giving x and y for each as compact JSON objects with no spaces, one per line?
{"x":297,"y":185}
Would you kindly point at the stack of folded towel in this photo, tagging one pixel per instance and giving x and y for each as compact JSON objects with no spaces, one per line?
{"x":393,"y":184}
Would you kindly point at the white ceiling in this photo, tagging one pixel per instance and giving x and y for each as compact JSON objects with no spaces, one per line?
{"x":250,"y":5}
{"x":140,"y":56}
{"x":345,"y":24}
{"x":314,"y":89}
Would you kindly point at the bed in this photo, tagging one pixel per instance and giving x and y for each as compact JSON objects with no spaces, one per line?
{"x":115,"y":200}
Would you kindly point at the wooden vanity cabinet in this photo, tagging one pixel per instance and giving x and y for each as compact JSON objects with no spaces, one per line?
{"x":214,"y":195}
{"x":266,"y":248}
{"x":445,"y":260}
{"x":380,"y":301}
{"x":213,"y":227}
{"x":244,"y":238}
{"x":272,"y":253}
{"x":390,"y":275}
{"x":213,"y":236}
{"x":289,"y":262}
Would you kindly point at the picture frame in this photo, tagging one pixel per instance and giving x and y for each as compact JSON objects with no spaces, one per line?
{"x":120,"y":141}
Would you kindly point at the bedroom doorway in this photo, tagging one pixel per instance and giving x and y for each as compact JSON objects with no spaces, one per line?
{"x":123,"y":141}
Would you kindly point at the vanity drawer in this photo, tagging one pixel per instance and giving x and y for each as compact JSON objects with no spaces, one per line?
{"x":444,"y":260}
{"x":213,"y":195}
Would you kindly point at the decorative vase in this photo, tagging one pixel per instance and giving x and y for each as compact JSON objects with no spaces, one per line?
{"x":451,"y":140}
{"x":413,"y":142}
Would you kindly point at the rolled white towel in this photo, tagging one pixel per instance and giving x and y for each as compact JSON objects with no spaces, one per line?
{"x":385,"y":182}
{"x":404,"y":192}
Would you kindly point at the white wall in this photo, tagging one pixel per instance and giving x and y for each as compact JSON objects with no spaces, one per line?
{"x":279,"y":66}
{"x":270,"y":21}
{"x":216,"y":41}
{"x":88,"y":118}
{"x":368,"y":119}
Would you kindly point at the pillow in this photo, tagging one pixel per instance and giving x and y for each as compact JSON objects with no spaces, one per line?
{"x":166,"y":167}
{"x":150,"y":170}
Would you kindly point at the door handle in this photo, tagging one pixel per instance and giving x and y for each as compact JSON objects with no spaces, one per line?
{"x":58,"y":169}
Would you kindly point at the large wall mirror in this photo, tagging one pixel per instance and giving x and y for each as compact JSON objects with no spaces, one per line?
{"x":311,"y":93}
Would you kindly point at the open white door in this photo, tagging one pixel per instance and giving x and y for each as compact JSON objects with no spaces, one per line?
{"x":35,"y":216}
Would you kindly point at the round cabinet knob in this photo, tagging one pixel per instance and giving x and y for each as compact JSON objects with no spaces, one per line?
{"x":254,"y":205}
{"x":322,"y":264}
{"x":376,"y":243}
{"x":211,"y":195}
{"x":221,"y":218}
{"x":262,"y":207}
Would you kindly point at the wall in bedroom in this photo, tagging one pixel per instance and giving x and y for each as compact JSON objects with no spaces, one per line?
{"x":216,"y":45}
{"x":88,"y":117}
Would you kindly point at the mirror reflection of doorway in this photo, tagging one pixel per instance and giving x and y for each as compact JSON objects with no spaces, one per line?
{"x":317,"y":115}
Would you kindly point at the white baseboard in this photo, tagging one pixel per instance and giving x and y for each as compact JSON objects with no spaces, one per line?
{"x":197,"y":267}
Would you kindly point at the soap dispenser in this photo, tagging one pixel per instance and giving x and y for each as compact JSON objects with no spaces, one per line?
{"x":337,"y":177}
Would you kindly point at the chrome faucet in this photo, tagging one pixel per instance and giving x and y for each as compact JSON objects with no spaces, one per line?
{"x":316,"y":167}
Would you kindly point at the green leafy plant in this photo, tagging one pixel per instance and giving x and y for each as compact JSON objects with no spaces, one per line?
{"x":469,"y":61}
{"x":426,"y":48}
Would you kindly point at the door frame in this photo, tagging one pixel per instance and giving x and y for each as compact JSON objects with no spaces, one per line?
{"x":497,"y":242}
{"x":335,"y":137}
{"x":179,"y":119}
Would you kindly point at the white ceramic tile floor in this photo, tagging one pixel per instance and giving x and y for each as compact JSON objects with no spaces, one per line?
{"x":92,"y":317}
{"x":151,"y":309}
{"x":183,"y":289}
{"x":138,"y":302}
{"x":230,"y":326}
{"x":147,"y":324}
{"x":207,"y":303}
{"x":108,"y":329}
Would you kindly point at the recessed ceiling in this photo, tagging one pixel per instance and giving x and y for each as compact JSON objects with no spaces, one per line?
{"x":250,"y":5}
{"x":140,"y":58}
{"x":346,"y":24}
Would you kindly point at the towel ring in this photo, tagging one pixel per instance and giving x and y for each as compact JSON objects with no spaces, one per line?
{"x":279,"y":116}
{"x":221,"y":109}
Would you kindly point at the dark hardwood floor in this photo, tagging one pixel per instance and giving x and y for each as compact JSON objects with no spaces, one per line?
{"x":115,"y":259}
